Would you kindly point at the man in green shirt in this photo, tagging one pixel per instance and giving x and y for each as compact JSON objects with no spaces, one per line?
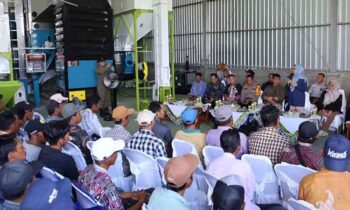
{"x":274,"y":94}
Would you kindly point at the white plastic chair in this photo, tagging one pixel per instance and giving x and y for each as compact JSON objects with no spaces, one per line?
{"x":103,"y":131}
{"x":51,"y":174}
{"x":181,"y":148}
{"x":162,"y":161}
{"x":289,"y":177}
{"x":117,"y":175}
{"x":84,"y":199}
{"x":260,"y":99}
{"x":308,"y":107}
{"x":74,"y":151}
{"x":267,"y":189}
{"x":144,"y":169}
{"x":301,"y":205}
{"x":211,"y":181}
{"x":210,"y":153}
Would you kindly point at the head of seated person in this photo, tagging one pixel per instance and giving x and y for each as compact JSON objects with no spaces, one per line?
{"x":11,"y":149}
{"x":189,"y":118}
{"x":54,"y":108}
{"x":223,"y":116}
{"x":307,"y":132}
{"x":20,"y":115}
{"x":57,"y":133}
{"x":93,"y":103}
{"x":230,"y":141}
{"x":71,"y":112}
{"x":35,"y":129}
{"x":228,"y":194}
{"x":15,"y":179}
{"x":105,"y":151}
{"x":27,"y":107}
{"x":276,"y":80}
{"x":157,"y":108}
{"x":214,"y":79}
{"x":8,"y":123}
{"x":121,"y":115}
{"x":270,"y":116}
{"x":145,"y":119}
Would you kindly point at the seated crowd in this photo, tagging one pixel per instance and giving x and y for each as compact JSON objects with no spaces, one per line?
{"x":29,"y":144}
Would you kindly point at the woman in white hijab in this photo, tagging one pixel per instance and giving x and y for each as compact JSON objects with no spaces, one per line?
{"x":331,"y":106}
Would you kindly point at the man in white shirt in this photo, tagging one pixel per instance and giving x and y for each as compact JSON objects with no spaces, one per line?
{"x":228,"y":164}
{"x":317,"y":88}
{"x":35,"y":130}
{"x":90,"y":122}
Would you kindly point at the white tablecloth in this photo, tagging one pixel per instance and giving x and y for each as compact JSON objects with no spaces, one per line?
{"x":292,"y":123}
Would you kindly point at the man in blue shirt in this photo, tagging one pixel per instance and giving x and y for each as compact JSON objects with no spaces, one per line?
{"x":198,"y":86}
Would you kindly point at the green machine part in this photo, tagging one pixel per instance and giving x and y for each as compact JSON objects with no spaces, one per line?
{"x":9,"y":87}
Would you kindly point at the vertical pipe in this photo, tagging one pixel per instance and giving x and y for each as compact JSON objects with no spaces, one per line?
{"x":136,"y":55}
{"x":172,"y":55}
{"x":333,"y":38}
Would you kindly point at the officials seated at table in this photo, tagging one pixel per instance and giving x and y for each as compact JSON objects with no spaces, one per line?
{"x":215,"y":90}
{"x":274,"y":94}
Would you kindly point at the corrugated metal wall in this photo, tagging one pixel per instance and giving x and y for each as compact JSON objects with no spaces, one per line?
{"x":272,"y":34}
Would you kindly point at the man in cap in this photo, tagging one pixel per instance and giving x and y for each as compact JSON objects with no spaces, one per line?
{"x":99,"y":184}
{"x":47,"y":194}
{"x":329,"y":188}
{"x":79,"y":137}
{"x":190,"y":133}
{"x":11,"y":148}
{"x":35,"y":130}
{"x":224,"y":121}
{"x":144,"y":140}
{"x":229,"y":164}
{"x":54,"y":107}
{"x":121,"y":116}
{"x":15,"y":178}
{"x":301,"y":153}
{"x":178,"y":175}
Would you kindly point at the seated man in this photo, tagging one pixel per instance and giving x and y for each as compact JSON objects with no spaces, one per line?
{"x":190,"y":133}
{"x":198,"y":87}
{"x":275,"y":93}
{"x":228,"y":196}
{"x":99,"y":184}
{"x":8,"y":123}
{"x":329,"y":188}
{"x":248,"y":95}
{"x":79,"y":137}
{"x":317,"y":88}
{"x":21,"y":121}
{"x":228,"y":164}
{"x":233,"y":90}
{"x":121,"y":116}
{"x":54,"y":107}
{"x":144,"y":140}
{"x":215,"y":90}
{"x":57,"y":135}
{"x":28,"y":109}
{"x":35,"y":130}
{"x":178,"y":175}
{"x":269,"y":82}
{"x":90,"y":122}
{"x":160,"y":129}
{"x":15,"y":179}
{"x":224,"y":121}
{"x":268,"y":141}
{"x":11,"y":149}
{"x":301,"y":153}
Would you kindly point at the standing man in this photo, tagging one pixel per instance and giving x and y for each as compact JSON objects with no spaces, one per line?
{"x":198,"y":87}
{"x":102,"y":70}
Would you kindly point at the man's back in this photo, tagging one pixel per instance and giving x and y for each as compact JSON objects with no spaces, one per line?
{"x":166,"y":199}
{"x":162,"y":131}
{"x":145,"y":141}
{"x":90,"y":122}
{"x":268,"y":142}
{"x":195,"y":137}
{"x":326,"y":189}
{"x":311,"y":158}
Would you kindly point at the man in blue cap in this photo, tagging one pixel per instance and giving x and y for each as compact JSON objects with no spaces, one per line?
{"x":190,"y":133}
{"x":329,"y":188}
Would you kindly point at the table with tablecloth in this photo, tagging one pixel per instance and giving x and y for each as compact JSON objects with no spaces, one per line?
{"x":174,"y":110}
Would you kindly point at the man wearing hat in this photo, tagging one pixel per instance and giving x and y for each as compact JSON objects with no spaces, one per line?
{"x":54,"y":107}
{"x":190,"y":133}
{"x":15,"y":178}
{"x":144,"y":140}
{"x":224,"y":121}
{"x":301,"y":153}
{"x":99,"y":184}
{"x":79,"y":137}
{"x":178,"y":175}
{"x":35,"y":130}
{"x":121,"y":116}
{"x":329,"y":188}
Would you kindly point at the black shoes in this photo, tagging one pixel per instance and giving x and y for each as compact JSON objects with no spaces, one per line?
{"x":104,"y":113}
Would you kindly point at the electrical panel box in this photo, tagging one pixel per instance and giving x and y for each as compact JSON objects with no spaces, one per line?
{"x":36,"y":63}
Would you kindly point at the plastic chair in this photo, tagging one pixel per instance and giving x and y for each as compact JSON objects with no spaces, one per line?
{"x":289,"y":177}
{"x":144,"y":169}
{"x":267,"y":189}
{"x":210,"y":153}
{"x":211,"y":181}
{"x":260,"y":99}
{"x":181,"y":148}
{"x":308,"y":105}
{"x":74,"y":151}
{"x":51,"y":174}
{"x":117,"y":175}
{"x":103,"y":131}
{"x":85,"y":200}
{"x":301,"y":205}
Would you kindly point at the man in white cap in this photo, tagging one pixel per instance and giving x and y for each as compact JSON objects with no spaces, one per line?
{"x":145,"y":140}
{"x":54,"y":107}
{"x":99,"y":184}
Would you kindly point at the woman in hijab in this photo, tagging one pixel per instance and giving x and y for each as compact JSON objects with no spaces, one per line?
{"x":332,"y":100}
{"x":297,"y":85}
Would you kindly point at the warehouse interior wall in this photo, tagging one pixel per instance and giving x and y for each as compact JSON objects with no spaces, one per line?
{"x":264,"y":35}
